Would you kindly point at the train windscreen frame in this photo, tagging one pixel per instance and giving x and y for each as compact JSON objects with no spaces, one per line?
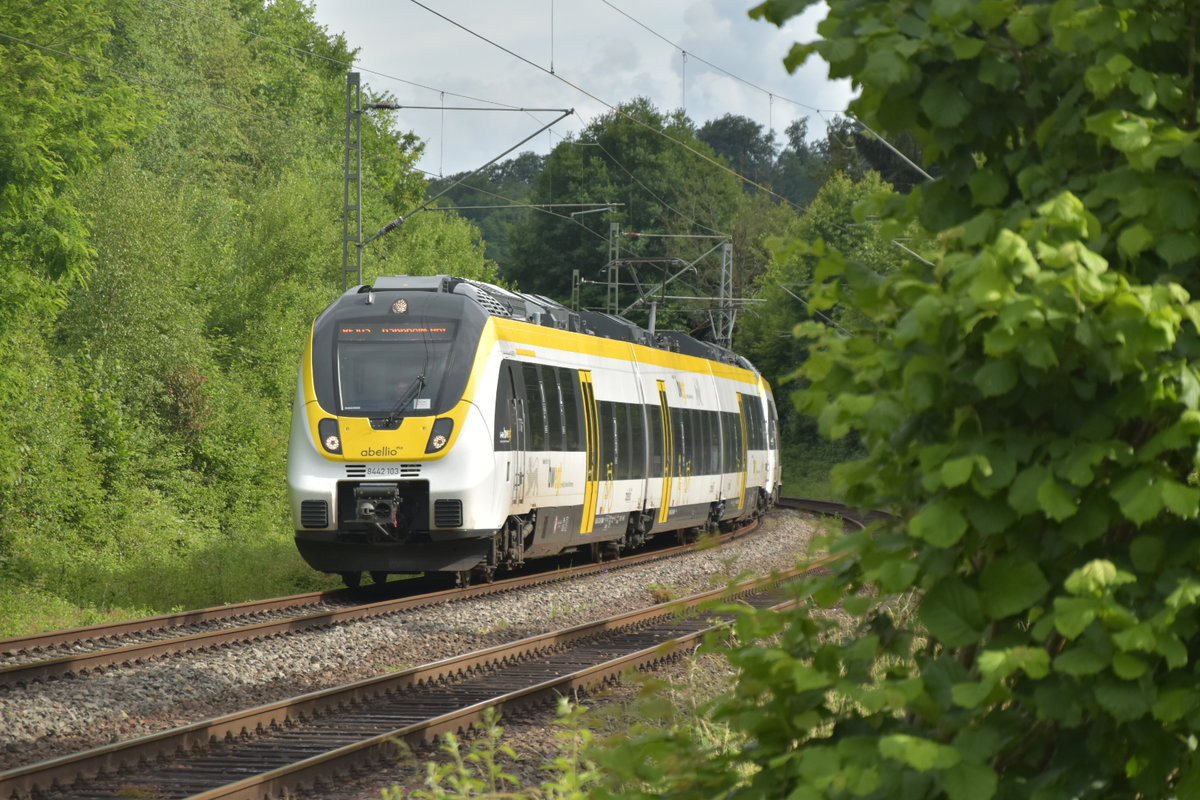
{"x":436,"y":336}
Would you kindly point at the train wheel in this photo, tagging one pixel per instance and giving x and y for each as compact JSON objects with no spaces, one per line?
{"x":483,"y":574}
{"x":352,"y":579}
{"x":379,"y":577}
{"x":462,"y":578}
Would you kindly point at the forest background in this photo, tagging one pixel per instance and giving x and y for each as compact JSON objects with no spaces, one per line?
{"x":170,"y":223}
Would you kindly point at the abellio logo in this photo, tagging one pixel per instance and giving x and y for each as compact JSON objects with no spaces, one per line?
{"x":382,"y":451}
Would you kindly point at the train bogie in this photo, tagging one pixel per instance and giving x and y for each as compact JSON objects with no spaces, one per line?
{"x":447,"y":425}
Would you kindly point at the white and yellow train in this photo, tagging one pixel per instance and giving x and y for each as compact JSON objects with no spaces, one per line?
{"x":447,"y":425}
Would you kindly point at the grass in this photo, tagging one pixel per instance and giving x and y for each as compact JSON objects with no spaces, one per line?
{"x":807,"y":469}
{"x":107,"y":585}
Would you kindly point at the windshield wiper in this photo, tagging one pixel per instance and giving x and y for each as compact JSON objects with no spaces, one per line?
{"x":394,"y":415}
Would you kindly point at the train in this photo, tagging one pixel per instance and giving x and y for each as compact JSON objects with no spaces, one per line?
{"x":446,"y":425}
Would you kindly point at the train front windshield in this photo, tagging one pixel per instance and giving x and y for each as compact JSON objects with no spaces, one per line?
{"x":389,"y":368}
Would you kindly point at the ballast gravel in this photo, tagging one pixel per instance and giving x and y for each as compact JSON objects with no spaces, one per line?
{"x":48,"y":719}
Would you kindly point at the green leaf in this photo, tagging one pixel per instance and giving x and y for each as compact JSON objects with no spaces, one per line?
{"x":1139,"y":637}
{"x":967,"y":781}
{"x":1096,"y":578}
{"x":957,"y":471}
{"x":1023,"y":496}
{"x":920,"y":754}
{"x":1183,"y":501}
{"x":1139,"y":496}
{"x":940,"y":523}
{"x":1125,"y":701}
{"x":805,"y":678}
{"x":1146,"y":553}
{"x":1081,"y":661}
{"x":943,"y":102}
{"x":972,"y":694}
{"x":999,"y":664}
{"x":951,"y":612}
{"x":1128,"y":666}
{"x":1055,"y":500}
{"x":996,"y":377}
{"x":1024,"y":27}
{"x":1172,"y":705}
{"x":1134,"y":239}
{"x":989,"y":187}
{"x":1072,"y":615}
{"x":1009,"y":586}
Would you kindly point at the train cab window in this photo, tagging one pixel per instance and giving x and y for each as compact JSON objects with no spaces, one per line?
{"x":508,"y":425}
{"x":535,"y":407}
{"x":378,"y":369}
{"x":568,"y":386}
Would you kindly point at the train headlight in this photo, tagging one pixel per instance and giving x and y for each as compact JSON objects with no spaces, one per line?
{"x":330,"y":436}
{"x":440,"y":435}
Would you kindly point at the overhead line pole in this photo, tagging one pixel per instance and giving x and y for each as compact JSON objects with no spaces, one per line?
{"x":352,"y":183}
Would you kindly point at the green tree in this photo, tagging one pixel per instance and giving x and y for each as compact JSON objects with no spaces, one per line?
{"x":799,"y":165}
{"x":744,"y":144}
{"x":1030,"y":407}
{"x":664,"y":189}
{"x":766,"y":329}
{"x":507,"y":183}
{"x":170,"y":225}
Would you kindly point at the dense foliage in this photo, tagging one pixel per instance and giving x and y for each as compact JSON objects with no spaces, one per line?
{"x":170,"y":223}
{"x":1030,"y":405}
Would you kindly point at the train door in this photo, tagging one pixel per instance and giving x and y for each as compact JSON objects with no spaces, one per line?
{"x":591,"y":427}
{"x":511,"y":429}
{"x":742,"y":453}
{"x":664,"y":508}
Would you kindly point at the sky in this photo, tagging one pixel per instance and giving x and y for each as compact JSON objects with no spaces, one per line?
{"x":562,"y":51}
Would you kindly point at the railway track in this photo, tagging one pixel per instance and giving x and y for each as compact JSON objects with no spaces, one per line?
{"x":292,"y":746}
{"x":45,"y":656}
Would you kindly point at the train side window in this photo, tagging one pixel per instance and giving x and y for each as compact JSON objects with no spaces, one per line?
{"x":729,"y":422}
{"x":760,"y":426}
{"x":760,"y":432}
{"x":535,"y":406}
{"x":749,"y":403}
{"x":677,"y":432}
{"x":654,"y":435}
{"x":554,"y":413}
{"x":621,"y":434}
{"x":712,"y":440}
{"x":568,"y":385}
{"x":608,"y":443}
{"x":694,"y":443}
{"x":637,"y":440}
{"x":773,"y":424}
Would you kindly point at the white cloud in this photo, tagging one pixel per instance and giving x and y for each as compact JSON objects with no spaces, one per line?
{"x":593,"y":47}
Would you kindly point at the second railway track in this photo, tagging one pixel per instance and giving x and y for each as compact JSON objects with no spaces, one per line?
{"x":216,"y":681}
{"x":286,"y":747}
